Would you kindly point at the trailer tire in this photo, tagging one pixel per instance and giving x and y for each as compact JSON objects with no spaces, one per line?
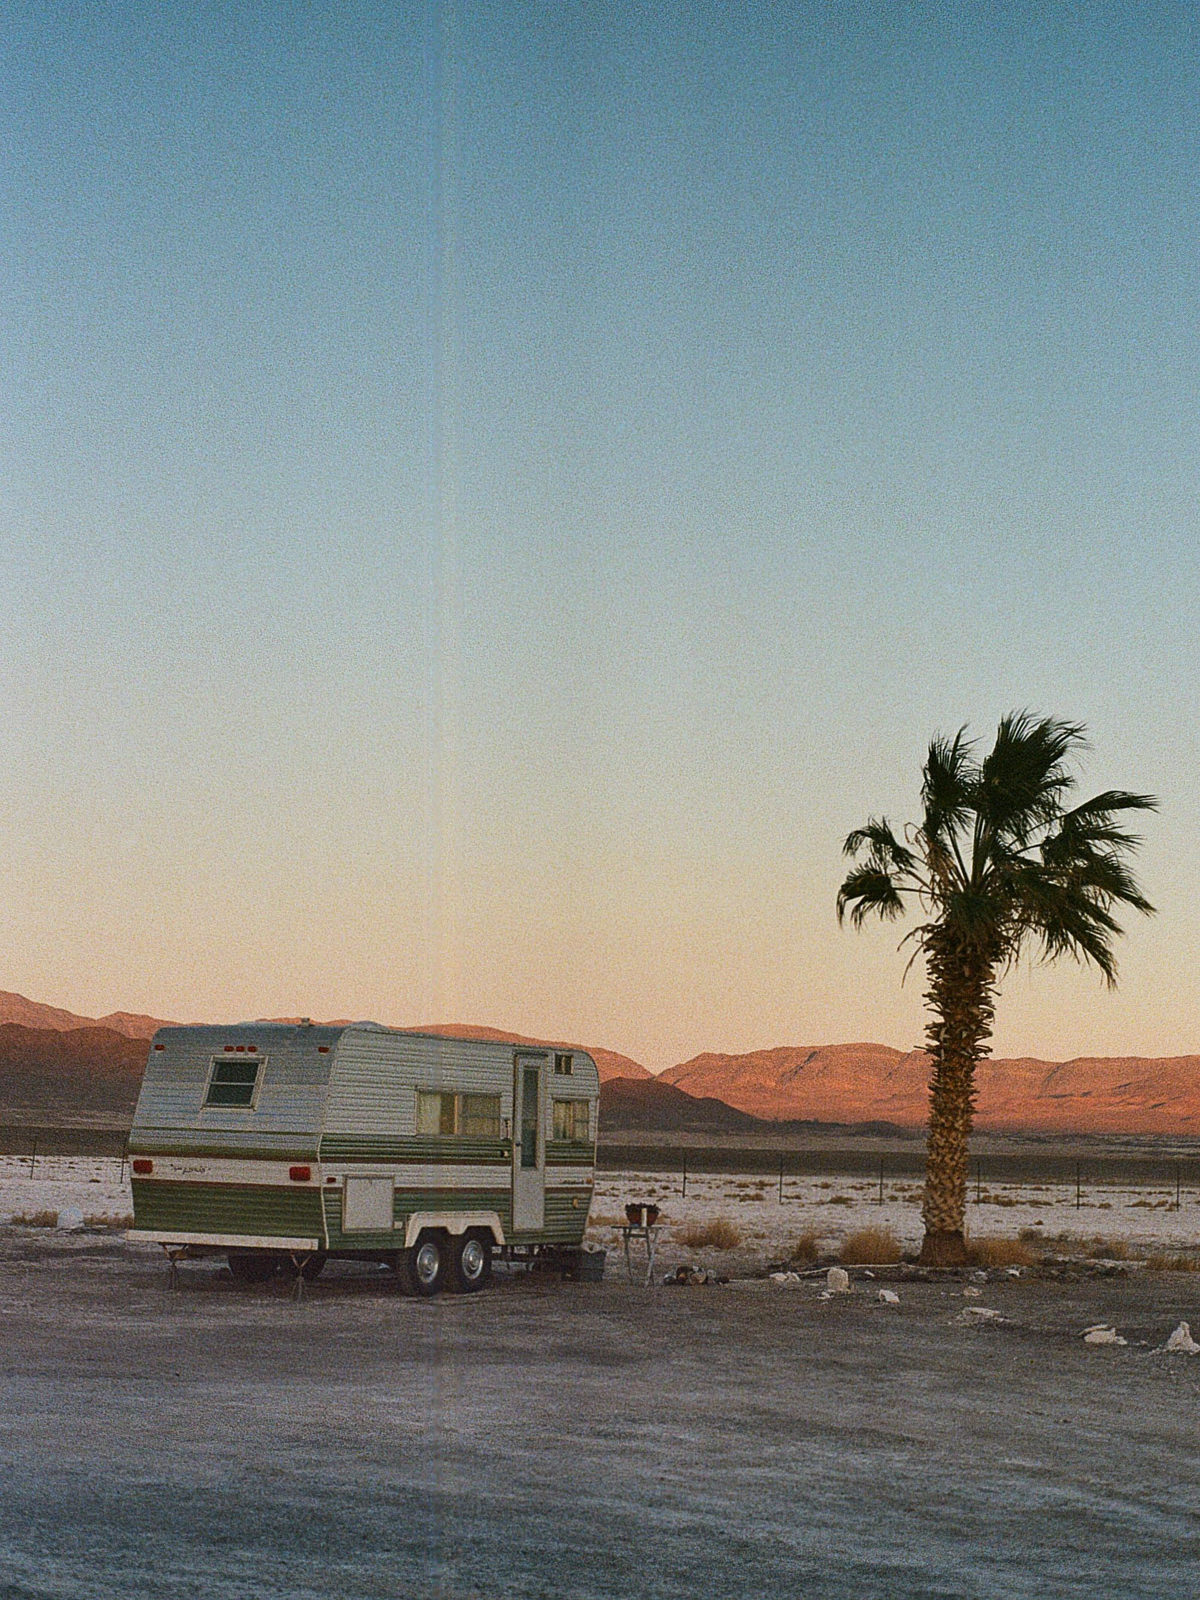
{"x":252,"y":1266}
{"x":423,"y":1268}
{"x":471,"y":1263}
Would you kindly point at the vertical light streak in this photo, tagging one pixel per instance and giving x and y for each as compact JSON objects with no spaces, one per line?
{"x":442,"y":913}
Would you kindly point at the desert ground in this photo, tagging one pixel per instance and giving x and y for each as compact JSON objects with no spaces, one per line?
{"x":550,"y":1439}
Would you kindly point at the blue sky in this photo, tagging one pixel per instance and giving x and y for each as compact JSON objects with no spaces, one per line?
{"x":493,"y":493}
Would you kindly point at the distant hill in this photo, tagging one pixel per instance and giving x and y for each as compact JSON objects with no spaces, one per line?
{"x":871,"y":1082}
{"x":648,"y":1104}
{"x":31,"y":1014}
{"x":70,"y":1069}
{"x":60,"y":1069}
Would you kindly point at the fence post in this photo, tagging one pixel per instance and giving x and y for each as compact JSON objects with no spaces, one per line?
{"x":32,"y":1158}
{"x":1078,"y":1188}
{"x":880,"y":1201}
{"x":781,"y":1177}
{"x":685,"y":1176}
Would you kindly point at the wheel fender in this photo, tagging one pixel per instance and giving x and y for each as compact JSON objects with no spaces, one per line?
{"x":454,"y":1223}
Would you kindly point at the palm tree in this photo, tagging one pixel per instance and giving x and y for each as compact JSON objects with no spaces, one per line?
{"x":998,"y":862}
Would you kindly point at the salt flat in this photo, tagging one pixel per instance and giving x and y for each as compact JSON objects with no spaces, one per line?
{"x":1139,"y":1216}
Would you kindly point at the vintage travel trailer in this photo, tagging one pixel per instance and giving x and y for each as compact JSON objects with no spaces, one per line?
{"x":280,"y":1145}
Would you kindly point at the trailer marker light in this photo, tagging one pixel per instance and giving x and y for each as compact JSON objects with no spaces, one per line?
{"x":142,"y":1167}
{"x":251,"y":1049}
{"x":330,"y":1180}
{"x":160,"y":1047}
{"x":228,"y":1049}
{"x":299,"y":1174}
{"x":322,"y":1049}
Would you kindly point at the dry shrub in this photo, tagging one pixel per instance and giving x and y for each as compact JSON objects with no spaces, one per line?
{"x":840,"y":1200}
{"x":1075,"y":1244}
{"x":602,"y":1219}
{"x":35,"y":1219}
{"x":1109,"y":1250}
{"x":869,"y":1247}
{"x":1173,"y":1261}
{"x":106,"y":1221}
{"x":719,"y":1234}
{"x":996,"y":1252}
{"x":806,"y":1248}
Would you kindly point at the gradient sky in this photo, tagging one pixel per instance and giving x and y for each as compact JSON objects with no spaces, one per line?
{"x":493,"y":492}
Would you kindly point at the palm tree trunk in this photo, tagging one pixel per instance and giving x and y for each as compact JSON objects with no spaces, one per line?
{"x":961,"y":999}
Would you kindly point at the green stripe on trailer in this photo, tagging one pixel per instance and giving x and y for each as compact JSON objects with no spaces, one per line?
{"x":245,"y":1144}
{"x":564,"y":1153}
{"x":232,"y":1208}
{"x":448,"y":1151}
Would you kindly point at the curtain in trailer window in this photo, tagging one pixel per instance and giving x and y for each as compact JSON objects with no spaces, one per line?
{"x":571,"y":1121}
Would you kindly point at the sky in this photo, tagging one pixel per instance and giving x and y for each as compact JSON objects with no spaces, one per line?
{"x":491,"y":494}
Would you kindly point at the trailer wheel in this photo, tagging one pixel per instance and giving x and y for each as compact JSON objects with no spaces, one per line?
{"x":252,"y":1266}
{"x":471,"y":1263}
{"x":423,"y":1268}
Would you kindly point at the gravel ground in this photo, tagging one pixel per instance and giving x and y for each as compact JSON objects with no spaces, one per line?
{"x":557,"y":1440}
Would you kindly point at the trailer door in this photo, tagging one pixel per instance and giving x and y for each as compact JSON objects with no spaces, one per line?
{"x":529,"y":1143}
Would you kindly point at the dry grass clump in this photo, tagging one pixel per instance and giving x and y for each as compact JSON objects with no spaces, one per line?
{"x":1094,"y":1248}
{"x":35,"y":1219}
{"x":719,"y":1234}
{"x":1109,"y":1250}
{"x":992,"y":1251}
{"x":106,"y":1221}
{"x":869,"y":1247}
{"x":806,"y":1248}
{"x":602,"y":1219}
{"x":1173,"y":1261}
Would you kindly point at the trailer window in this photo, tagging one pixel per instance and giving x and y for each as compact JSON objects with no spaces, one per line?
{"x":233,"y":1083}
{"x":474,"y":1116}
{"x":480,"y":1118}
{"x":435,"y":1113}
{"x":571,"y":1121}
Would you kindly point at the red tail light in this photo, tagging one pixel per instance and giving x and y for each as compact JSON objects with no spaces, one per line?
{"x":142,"y":1167}
{"x":299,"y":1174}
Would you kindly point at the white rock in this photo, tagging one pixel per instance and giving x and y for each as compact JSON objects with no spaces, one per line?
{"x":1182,"y":1343}
{"x":888,"y":1297}
{"x":787,"y":1280}
{"x":70,"y":1219}
{"x":972,"y":1316}
{"x":1103,"y":1335}
{"x":971,"y":1292}
{"x":837,"y":1280}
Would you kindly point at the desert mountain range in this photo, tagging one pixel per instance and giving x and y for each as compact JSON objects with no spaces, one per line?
{"x":872,"y":1083}
{"x":843,"y":1083}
